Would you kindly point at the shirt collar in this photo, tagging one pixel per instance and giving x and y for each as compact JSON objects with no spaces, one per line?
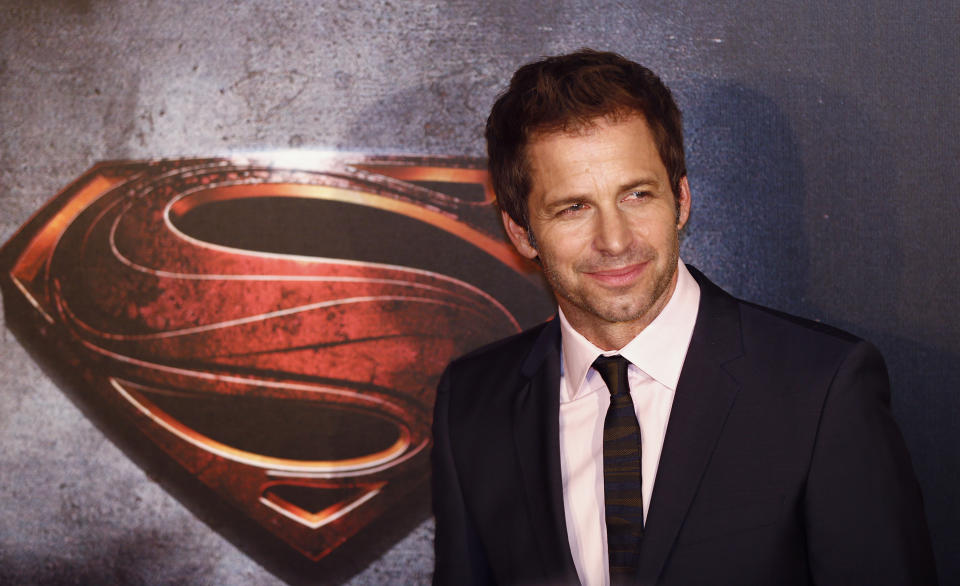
{"x":659,"y":350}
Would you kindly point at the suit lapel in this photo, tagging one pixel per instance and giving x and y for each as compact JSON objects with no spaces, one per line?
{"x":705,"y":393}
{"x":536,"y":420}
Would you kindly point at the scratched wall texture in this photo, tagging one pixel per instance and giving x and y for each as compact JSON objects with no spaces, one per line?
{"x":823,"y":146}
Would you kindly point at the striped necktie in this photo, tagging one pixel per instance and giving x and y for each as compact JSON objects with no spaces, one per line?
{"x":622,"y":485}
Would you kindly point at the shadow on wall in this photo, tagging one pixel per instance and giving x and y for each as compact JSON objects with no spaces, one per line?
{"x":748,"y":193}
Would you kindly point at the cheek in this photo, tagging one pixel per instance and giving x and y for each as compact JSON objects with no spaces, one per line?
{"x":658,"y":227}
{"x":562,"y":236}
{"x":566,"y":247}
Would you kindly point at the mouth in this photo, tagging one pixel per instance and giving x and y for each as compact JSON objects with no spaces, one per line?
{"x":618,"y":277}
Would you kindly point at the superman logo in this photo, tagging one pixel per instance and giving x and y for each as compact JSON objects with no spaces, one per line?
{"x":274,"y":327}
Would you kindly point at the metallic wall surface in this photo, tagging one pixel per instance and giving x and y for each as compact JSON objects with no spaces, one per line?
{"x":822,"y":141}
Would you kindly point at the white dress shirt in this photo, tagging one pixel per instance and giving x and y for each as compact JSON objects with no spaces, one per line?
{"x":656,"y":356}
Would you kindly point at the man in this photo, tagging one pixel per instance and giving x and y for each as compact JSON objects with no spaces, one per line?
{"x":657,"y":431}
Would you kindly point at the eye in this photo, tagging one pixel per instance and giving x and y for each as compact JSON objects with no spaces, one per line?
{"x":638,"y":194}
{"x":572,"y":209}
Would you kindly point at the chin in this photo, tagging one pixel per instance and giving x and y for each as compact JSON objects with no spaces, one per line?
{"x":624,"y":315}
{"x":612,"y":311}
{"x":630,"y":306}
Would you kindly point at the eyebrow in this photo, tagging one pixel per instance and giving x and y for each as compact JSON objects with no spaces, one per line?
{"x":641,"y":182}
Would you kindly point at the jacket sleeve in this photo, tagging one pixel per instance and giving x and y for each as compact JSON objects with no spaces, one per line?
{"x":459,"y":555}
{"x":864,"y":513}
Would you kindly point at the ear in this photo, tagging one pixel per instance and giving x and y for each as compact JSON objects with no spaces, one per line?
{"x":518,"y":236}
{"x":683,"y":202}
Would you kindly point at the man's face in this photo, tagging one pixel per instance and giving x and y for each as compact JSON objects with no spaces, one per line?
{"x":605,"y":223}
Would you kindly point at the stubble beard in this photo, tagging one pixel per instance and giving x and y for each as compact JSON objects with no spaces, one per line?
{"x":618,"y":309}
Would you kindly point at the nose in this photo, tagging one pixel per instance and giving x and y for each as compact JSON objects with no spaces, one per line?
{"x":612,"y":231}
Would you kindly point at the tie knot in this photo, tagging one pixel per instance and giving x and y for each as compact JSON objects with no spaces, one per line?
{"x":613,"y":371}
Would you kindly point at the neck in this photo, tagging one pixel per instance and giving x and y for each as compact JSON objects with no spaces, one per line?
{"x":610,"y":335}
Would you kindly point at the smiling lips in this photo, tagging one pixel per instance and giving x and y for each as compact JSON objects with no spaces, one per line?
{"x":618,"y":277}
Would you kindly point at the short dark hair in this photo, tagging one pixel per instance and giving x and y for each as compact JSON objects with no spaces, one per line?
{"x":568,"y":92}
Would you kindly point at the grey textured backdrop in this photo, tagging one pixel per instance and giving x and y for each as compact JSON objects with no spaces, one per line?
{"x":823,"y":147}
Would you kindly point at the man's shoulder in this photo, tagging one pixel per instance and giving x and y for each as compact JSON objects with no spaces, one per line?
{"x":512,"y":350}
{"x":781,"y":342}
{"x":762,"y":318}
{"x":770,"y":325}
{"x":486,"y":379}
{"x":772,"y":341}
{"x":772,"y":353}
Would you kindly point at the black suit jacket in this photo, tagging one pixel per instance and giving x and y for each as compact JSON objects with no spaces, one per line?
{"x":781,"y":463}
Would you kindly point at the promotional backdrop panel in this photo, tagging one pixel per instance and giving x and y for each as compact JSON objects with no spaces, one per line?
{"x":189,"y":192}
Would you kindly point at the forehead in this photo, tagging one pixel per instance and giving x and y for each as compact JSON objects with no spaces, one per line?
{"x":593,"y":154}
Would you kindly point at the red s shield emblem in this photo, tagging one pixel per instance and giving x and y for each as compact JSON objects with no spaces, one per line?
{"x":275,"y":329}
